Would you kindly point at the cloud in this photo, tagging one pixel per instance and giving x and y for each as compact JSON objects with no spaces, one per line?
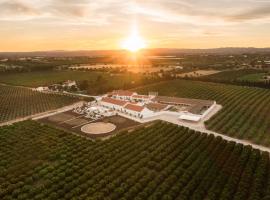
{"x":204,"y":12}
{"x":17,"y":8}
{"x":104,"y":12}
{"x":251,"y":14}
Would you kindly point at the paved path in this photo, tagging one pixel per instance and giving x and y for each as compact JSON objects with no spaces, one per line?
{"x":168,"y":118}
{"x":44,"y":114}
{"x":200,"y":127}
{"x":81,"y":95}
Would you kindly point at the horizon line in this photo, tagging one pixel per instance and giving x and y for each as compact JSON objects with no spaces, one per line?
{"x":145,"y":49}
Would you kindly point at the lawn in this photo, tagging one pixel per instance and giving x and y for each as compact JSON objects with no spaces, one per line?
{"x":252,"y":77}
{"x":245,"y":113}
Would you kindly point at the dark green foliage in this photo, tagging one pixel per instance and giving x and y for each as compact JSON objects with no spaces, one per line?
{"x":162,"y":161}
{"x":18,"y":102}
{"x":245,"y":113}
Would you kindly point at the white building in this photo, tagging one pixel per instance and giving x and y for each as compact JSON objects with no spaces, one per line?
{"x":122,"y":94}
{"x":143,"y":106}
{"x":69,"y":83}
{"x":141,"y":98}
{"x":114,"y":104}
{"x":137,"y":111}
{"x":41,"y":89}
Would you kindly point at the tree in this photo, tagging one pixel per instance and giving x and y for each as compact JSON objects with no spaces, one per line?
{"x":83,"y":85}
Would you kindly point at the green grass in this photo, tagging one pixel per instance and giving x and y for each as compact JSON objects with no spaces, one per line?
{"x":162,"y":161}
{"x":245,"y":113}
{"x":252,"y":77}
{"x":233,"y":75}
{"x":20,"y":102}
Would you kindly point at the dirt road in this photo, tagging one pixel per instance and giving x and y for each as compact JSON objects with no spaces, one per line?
{"x":44,"y":114}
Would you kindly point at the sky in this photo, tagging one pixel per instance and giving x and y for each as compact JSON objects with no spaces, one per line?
{"x":33,"y":25}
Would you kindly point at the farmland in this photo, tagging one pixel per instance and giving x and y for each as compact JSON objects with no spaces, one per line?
{"x":243,"y":77}
{"x":98,"y":82}
{"x":232,"y":75}
{"x":253,"y":77}
{"x":162,"y":161}
{"x":43,"y":78}
{"x":245,"y":113}
{"x":18,"y":102}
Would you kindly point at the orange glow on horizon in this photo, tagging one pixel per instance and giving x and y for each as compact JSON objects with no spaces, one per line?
{"x":134,"y":42}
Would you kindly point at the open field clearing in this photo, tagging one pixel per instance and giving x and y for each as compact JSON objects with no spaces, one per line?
{"x":18,"y":102}
{"x":245,"y":113}
{"x":231,"y":75}
{"x":198,"y":73}
{"x":130,"y":68}
{"x":82,"y":125}
{"x":44,"y":78}
{"x":253,"y":77}
{"x":162,"y":161}
{"x":98,"y":82}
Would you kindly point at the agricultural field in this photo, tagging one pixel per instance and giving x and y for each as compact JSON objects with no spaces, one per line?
{"x":253,"y":77}
{"x":198,"y":73}
{"x":97,"y":82}
{"x":18,"y":102}
{"x":161,"y":161}
{"x":233,"y":75}
{"x":245,"y":114}
{"x":45,"y":78}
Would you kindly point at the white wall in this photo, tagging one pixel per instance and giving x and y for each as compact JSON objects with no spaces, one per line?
{"x":110,"y":105}
{"x":147,"y":113}
{"x":209,"y":109}
{"x":122,"y":97}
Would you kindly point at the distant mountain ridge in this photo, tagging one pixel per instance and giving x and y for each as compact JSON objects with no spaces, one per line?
{"x":156,"y":51}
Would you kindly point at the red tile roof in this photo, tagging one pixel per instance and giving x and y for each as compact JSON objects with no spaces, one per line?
{"x":113,"y":101}
{"x":140,"y":96}
{"x":122,"y":93}
{"x":134,"y":107}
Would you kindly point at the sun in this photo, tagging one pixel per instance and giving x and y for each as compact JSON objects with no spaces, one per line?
{"x":134,"y":42}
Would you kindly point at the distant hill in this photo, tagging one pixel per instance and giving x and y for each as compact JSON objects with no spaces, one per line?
{"x":225,"y":50}
{"x":157,"y":51}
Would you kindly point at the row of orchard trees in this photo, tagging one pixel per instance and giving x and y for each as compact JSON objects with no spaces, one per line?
{"x":245,"y":115}
{"x":245,"y":111}
{"x":162,"y":161}
{"x":20,"y":102}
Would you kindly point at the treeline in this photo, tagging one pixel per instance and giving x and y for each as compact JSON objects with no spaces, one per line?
{"x":234,"y":77}
{"x":102,"y":84}
{"x":263,"y":84}
{"x":13,"y":65}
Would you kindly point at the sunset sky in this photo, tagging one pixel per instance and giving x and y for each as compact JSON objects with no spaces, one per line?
{"x":30,"y":25}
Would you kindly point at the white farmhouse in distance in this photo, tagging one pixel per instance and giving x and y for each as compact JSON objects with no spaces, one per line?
{"x":41,"y":89}
{"x":69,"y":83}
